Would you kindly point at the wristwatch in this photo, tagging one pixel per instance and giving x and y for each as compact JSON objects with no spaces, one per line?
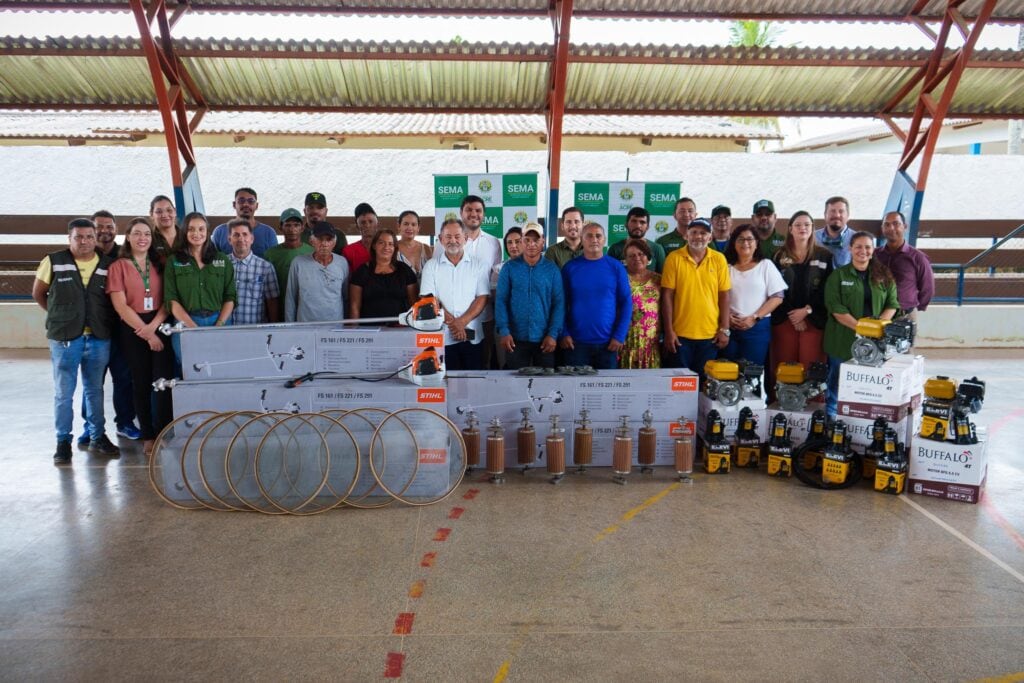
{"x":726,"y":332}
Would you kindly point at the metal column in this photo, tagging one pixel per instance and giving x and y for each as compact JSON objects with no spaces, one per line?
{"x":561,"y":16}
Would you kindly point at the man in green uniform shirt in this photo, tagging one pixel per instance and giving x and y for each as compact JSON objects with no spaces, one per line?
{"x":763,"y":218}
{"x":637,"y":221}
{"x":685,"y":213}
{"x":282,"y":255}
{"x":572,"y":246}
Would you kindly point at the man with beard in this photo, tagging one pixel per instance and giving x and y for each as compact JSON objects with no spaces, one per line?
{"x":763,"y":219}
{"x":572,"y":246}
{"x":637,"y":221}
{"x":721,"y":228}
{"x":245,"y":205}
{"x":462,"y":284}
{"x":836,"y":234}
{"x":315,"y":211}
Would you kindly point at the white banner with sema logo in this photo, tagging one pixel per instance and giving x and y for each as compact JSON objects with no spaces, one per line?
{"x":608,"y":203}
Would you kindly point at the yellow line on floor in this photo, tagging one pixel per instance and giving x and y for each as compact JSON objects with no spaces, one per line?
{"x":1005,"y":678}
{"x":503,"y":670}
{"x":966,"y":541}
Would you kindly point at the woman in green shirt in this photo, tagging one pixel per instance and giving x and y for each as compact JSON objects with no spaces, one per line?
{"x":199,"y":281}
{"x":863,"y":288}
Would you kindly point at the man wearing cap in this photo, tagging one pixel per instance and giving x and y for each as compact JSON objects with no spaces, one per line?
{"x":245,"y":205}
{"x":529,"y":308}
{"x":315,"y":211}
{"x":915,"y":282}
{"x":598,"y":304}
{"x":763,"y":218}
{"x":358,"y":253}
{"x":70,"y":286}
{"x":685,"y":211}
{"x":695,"y":300}
{"x":637,"y":221}
{"x":721,"y":228}
{"x":282,"y":255}
{"x":255,"y":279}
{"x":571,"y":246}
{"x":317,"y":282}
{"x":462,"y":285}
{"x":836,"y":234}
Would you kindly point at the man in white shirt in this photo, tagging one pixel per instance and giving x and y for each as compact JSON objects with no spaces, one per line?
{"x":461,"y":284}
{"x":485,"y":250}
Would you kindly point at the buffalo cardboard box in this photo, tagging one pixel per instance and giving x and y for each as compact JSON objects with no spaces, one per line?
{"x":948,"y":470}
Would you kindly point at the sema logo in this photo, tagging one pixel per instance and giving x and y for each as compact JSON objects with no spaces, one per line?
{"x":626,"y":194}
{"x":490,"y":220}
{"x":684,"y":384}
{"x":430,"y":395}
{"x":666,"y":198}
{"x":424,"y":340}
{"x":661,"y":227}
{"x":519,"y":189}
{"x":448,"y":190}
{"x":433,"y":456}
{"x":520,"y":217}
{"x":451,"y":216}
{"x":685,"y":429}
{"x":591,"y":197}
{"x":485,"y":185}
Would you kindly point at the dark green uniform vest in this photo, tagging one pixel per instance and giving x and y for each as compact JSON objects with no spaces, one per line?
{"x":71,"y":307}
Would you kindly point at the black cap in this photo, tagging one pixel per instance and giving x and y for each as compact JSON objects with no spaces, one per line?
{"x":316,"y":198}
{"x":324,"y":229}
{"x":763,"y":204}
{"x":720,"y":209}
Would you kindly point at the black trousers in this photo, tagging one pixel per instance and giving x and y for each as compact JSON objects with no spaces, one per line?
{"x":153,"y":408}
{"x":527,"y":354}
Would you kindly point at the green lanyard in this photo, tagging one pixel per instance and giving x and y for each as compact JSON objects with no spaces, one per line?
{"x":143,"y":274}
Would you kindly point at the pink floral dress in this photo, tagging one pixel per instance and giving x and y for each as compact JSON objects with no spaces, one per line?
{"x":641,"y":349}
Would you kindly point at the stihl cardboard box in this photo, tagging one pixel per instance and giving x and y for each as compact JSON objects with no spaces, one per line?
{"x":890,"y":384}
{"x":948,"y":470}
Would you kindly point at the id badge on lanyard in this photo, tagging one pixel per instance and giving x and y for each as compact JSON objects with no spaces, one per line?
{"x":147,"y":302}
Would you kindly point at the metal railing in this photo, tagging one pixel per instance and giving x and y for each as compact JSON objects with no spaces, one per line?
{"x":960,"y":299}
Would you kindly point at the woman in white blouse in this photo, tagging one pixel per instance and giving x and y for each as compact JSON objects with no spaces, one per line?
{"x":757,"y":289}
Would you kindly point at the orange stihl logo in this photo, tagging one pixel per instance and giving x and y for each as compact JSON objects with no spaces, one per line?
{"x":430,"y":395}
{"x":684,"y":384}
{"x":433,"y":456}
{"x":425,"y":340}
{"x":677,"y":429}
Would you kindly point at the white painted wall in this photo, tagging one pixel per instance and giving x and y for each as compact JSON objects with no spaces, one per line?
{"x":79,"y":180}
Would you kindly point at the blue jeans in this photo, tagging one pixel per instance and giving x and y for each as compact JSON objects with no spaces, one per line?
{"x":694,"y":353}
{"x":752,"y":344}
{"x":200,"y":321}
{"x":121,"y":377}
{"x":832,"y":393}
{"x":596,"y":356}
{"x":91,"y":355}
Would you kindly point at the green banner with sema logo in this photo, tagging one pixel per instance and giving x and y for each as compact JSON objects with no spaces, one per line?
{"x":510,"y":199}
{"x":608,"y":203}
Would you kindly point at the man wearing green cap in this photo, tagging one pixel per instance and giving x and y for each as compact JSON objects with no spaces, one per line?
{"x":281,"y":256}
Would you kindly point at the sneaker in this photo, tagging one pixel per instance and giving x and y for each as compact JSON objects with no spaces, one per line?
{"x":129,"y":431}
{"x":102,"y":446}
{"x":63,"y":454}
{"x":83,"y":441}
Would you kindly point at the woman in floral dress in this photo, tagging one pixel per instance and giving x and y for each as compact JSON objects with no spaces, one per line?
{"x":641,"y":349}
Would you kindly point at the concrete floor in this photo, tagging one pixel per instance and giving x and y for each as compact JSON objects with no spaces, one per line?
{"x":731,"y":578}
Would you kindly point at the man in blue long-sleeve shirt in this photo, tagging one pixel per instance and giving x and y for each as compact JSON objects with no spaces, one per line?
{"x":598,"y":304}
{"x":529,"y":307}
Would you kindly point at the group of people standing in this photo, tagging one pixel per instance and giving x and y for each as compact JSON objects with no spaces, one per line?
{"x":702,"y":291}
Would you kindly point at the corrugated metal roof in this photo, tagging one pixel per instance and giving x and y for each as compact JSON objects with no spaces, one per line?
{"x":123,"y":125}
{"x":497,"y":77}
{"x":861,"y":10}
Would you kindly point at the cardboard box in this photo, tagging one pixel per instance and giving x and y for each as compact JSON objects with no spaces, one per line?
{"x":948,"y":470}
{"x":890,"y":384}
{"x":731,"y":415}
{"x":871,"y":411}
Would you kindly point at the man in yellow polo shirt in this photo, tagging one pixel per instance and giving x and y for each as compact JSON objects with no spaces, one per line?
{"x":695,"y":300}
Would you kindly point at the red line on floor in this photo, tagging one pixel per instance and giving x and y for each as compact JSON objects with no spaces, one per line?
{"x":442,"y":534}
{"x":403,"y":624}
{"x":416,"y":589}
{"x":428,"y":559}
{"x":1004,"y":420}
{"x":455,"y":513}
{"x":471,"y":494}
{"x":987,"y":505}
{"x":393,"y":667}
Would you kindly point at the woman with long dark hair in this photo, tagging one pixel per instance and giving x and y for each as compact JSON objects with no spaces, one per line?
{"x":863,"y":288}
{"x":164,"y":219}
{"x":199,"y":281}
{"x":135,"y":286}
{"x":411,"y":251}
{"x":384,"y":286}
